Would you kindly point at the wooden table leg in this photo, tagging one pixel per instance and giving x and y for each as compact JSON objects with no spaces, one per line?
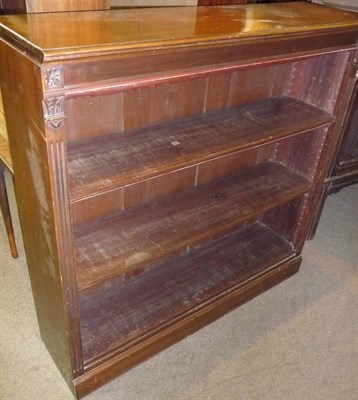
{"x":5,"y":209}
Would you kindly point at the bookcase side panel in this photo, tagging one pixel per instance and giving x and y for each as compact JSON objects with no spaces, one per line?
{"x":34,"y":194}
{"x":327,"y":82}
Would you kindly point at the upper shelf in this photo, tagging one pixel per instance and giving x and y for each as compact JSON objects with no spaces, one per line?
{"x":101,"y":164}
{"x":70,"y":35}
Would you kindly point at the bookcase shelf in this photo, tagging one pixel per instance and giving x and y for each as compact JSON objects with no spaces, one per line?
{"x":100,"y":164}
{"x":115,"y":314}
{"x":166,"y":173}
{"x":122,"y":243}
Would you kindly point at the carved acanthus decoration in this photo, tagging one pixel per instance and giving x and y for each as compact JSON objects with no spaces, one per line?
{"x":54,"y":78}
{"x":54,"y":111}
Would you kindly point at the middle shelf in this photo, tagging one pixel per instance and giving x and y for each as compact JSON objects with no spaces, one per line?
{"x":121,"y":244}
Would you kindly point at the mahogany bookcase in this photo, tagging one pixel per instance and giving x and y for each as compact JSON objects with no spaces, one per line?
{"x":166,"y":172}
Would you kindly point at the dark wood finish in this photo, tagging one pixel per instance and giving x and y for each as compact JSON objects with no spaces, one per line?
{"x":34,"y":191}
{"x":107,"y":196}
{"x":108,"y":370}
{"x":171,"y":291}
{"x":12,"y":6}
{"x":344,"y":169}
{"x":125,"y":197}
{"x":347,"y":157}
{"x":182,"y":99}
{"x":122,"y":243}
{"x":141,"y":154}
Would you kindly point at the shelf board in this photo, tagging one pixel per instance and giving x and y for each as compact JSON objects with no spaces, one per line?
{"x":120,"y":312}
{"x":100,"y":164}
{"x":123,"y":243}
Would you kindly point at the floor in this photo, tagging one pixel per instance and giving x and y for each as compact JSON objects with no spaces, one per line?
{"x":298,"y":341}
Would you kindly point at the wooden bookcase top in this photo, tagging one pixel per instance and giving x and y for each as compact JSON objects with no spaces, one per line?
{"x":70,"y":35}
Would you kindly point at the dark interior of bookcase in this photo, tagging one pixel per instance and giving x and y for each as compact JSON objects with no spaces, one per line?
{"x":181,"y":206}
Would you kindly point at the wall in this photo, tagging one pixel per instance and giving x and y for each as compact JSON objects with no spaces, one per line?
{"x":339,"y":3}
{"x":148,"y":3}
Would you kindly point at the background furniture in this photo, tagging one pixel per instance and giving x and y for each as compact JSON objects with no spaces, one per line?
{"x":35,"y":6}
{"x":169,"y":172}
{"x":6,"y":164}
{"x":29,"y":6}
{"x":344,"y":4}
{"x":343,"y":170}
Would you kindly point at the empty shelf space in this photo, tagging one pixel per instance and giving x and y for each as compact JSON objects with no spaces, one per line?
{"x":119,"y":312}
{"x":121,"y":244}
{"x":100,"y":164}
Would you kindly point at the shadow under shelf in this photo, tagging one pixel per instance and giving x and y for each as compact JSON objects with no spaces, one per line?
{"x":122,"y":313}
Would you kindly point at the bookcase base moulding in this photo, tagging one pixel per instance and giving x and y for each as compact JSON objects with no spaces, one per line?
{"x":166,"y":173}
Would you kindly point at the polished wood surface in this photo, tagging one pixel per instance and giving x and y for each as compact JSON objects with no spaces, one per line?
{"x":139,"y":143}
{"x":108,"y":32}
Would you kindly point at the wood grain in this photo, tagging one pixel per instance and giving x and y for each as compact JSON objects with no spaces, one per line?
{"x":124,"y":243}
{"x":102,"y":164}
{"x":130,"y":109}
{"x":117,"y":313}
{"x":34,"y":195}
{"x":169,"y":183}
{"x":106,"y":369}
{"x":172,"y":136}
{"x":152,"y":28}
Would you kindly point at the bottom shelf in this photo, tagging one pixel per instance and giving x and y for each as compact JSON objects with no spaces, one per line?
{"x":117,"y":314}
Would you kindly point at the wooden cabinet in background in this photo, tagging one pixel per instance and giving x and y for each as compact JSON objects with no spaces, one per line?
{"x":166,"y":172}
{"x":345,"y":169}
{"x":40,"y":6}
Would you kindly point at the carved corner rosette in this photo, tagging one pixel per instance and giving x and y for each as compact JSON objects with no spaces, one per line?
{"x":54,"y":111}
{"x":54,"y":77}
